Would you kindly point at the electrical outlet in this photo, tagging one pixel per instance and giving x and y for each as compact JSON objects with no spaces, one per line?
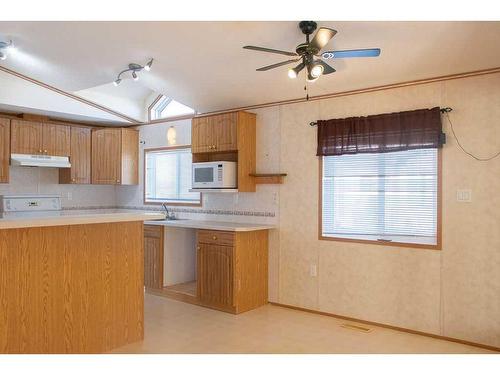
{"x":235,"y":199}
{"x":464,"y":195}
{"x":69,"y":196}
{"x":313,"y":270}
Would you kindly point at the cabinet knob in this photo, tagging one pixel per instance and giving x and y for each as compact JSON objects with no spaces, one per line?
{"x":117,"y":180}
{"x":198,"y":248}
{"x":73,"y":180}
{"x":214,"y":238}
{"x":45,"y":151}
{"x":214,"y":146}
{"x":40,"y":151}
{"x":209,"y":147}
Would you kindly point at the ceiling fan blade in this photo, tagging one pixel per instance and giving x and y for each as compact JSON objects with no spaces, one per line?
{"x":268,"y":67}
{"x":368,"y":52}
{"x":270,"y":50}
{"x":327,"y":69}
{"x":321,"y":38}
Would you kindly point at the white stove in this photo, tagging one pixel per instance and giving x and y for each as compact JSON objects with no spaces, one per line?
{"x":29,"y":205}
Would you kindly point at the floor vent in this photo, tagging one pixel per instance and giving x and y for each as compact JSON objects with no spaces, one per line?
{"x":356,"y":327}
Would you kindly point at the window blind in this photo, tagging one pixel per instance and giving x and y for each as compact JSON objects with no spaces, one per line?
{"x":381,"y":196}
{"x":168,"y":176}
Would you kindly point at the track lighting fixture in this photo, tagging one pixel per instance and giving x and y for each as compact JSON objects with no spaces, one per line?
{"x":4,"y":48}
{"x":134,"y":68}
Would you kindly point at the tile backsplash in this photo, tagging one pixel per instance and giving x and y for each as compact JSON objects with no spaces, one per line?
{"x":33,"y":180}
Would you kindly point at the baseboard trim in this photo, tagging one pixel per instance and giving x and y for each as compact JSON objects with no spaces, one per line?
{"x":406,"y":330}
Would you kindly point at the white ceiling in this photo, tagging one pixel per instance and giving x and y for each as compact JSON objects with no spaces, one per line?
{"x":202,"y":64}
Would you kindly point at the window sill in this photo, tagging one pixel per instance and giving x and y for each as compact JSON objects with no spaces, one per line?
{"x":373,"y":241}
{"x":187,"y":204}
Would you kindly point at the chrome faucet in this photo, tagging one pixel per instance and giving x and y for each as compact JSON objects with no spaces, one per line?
{"x":167,"y":212}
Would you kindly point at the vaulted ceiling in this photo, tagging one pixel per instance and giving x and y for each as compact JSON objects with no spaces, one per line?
{"x":202,"y":64}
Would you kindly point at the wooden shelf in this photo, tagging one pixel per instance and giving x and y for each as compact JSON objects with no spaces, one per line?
{"x":268,"y":178}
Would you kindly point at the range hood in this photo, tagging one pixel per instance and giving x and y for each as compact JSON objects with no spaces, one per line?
{"x":26,"y":160}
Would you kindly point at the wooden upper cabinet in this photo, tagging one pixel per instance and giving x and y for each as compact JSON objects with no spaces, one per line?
{"x":115,"y":156}
{"x":202,"y":137}
{"x":80,"y":158}
{"x":225,"y":130}
{"x":56,"y":139}
{"x":4,"y":149}
{"x":29,"y":137}
{"x":26,"y":137}
{"x":214,"y":133}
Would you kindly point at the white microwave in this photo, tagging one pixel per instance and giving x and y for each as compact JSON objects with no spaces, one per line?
{"x":214,"y":175}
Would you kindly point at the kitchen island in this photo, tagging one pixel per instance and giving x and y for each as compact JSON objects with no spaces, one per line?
{"x":73,"y":282}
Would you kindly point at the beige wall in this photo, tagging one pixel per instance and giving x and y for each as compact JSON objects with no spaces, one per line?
{"x":454,"y":292}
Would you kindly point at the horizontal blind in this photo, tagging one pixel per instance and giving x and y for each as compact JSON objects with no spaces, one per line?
{"x":382,"y":195}
{"x":168,"y":176}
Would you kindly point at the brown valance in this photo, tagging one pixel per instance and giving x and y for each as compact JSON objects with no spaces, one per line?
{"x":386,"y":132}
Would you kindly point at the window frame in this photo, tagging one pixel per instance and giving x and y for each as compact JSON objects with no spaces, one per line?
{"x":157,"y":149}
{"x":166,"y":119}
{"x":437,"y":246}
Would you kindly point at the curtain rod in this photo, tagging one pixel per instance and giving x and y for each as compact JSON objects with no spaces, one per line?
{"x":443,"y":110}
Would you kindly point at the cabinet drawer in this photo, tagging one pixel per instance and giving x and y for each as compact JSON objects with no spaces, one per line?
{"x":154,"y":231}
{"x":216,"y":237}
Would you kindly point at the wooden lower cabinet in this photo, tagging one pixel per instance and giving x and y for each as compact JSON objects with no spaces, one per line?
{"x":232,"y":269}
{"x":153,"y":256}
{"x":215,"y":275}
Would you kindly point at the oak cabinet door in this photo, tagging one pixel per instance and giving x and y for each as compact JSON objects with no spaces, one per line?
{"x":215,"y":275}
{"x":80,"y":158}
{"x":202,"y":137}
{"x":225,"y":127}
{"x":106,"y":156}
{"x":4,"y":149}
{"x":153,"y":256}
{"x":56,"y":139}
{"x":26,"y":137}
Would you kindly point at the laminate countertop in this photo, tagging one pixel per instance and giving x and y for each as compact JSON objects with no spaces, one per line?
{"x":75,"y":217}
{"x":211,"y":225}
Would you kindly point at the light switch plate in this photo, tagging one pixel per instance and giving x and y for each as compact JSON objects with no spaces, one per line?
{"x":464,"y":195}
{"x":313,"y":271}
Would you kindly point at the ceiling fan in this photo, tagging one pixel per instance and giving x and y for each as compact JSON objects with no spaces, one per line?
{"x":308,"y":53}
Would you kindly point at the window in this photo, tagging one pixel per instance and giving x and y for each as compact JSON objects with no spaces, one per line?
{"x":168,"y":176}
{"x":165,"y":107}
{"x":383,"y":197}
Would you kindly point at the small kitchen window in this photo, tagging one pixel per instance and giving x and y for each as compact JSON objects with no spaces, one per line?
{"x":168,"y":177}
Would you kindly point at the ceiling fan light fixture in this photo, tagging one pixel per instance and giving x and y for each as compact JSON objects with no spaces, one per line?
{"x":117,"y":82}
{"x":294,"y":72}
{"x":135,"y":76}
{"x":311,"y":78}
{"x":316,"y":70}
{"x":3,"y":56}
